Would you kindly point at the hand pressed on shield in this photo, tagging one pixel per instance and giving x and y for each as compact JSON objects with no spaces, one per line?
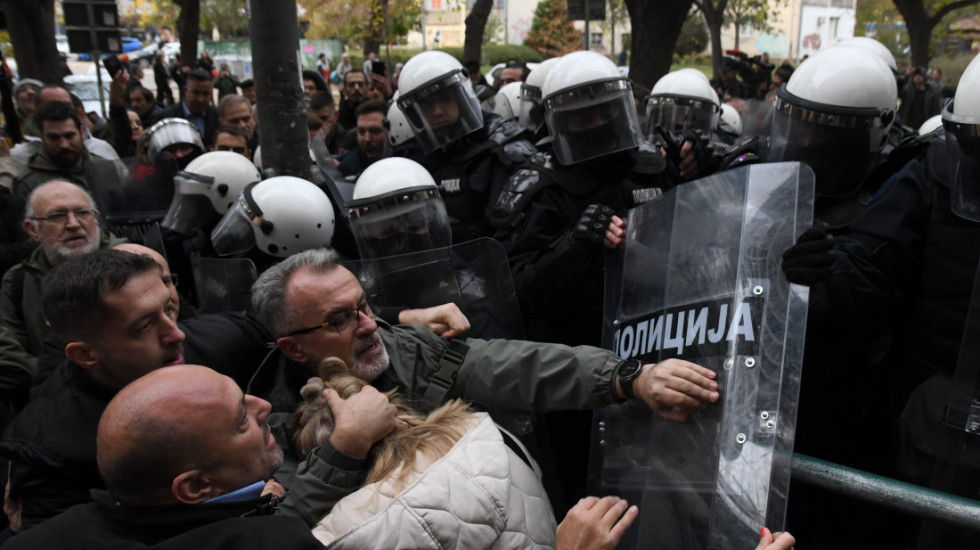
{"x":595,"y":524}
{"x":675,"y":389}
{"x":775,"y":541}
{"x":360,"y":421}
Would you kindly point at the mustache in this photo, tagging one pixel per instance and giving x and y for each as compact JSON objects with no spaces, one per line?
{"x":366,"y":343}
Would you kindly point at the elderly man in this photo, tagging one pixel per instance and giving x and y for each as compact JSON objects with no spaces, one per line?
{"x":372,"y":139}
{"x":63,"y":156}
{"x":236,"y":110}
{"x":62,"y":218}
{"x":197,"y":106}
{"x":116,"y":311}
{"x":184,"y":455}
{"x":317,"y":309}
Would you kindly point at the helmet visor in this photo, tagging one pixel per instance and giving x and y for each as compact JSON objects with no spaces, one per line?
{"x":837,"y":145}
{"x":532,"y":113}
{"x":191,"y":208}
{"x":171,"y":131}
{"x":442,"y":111}
{"x":592,"y":121}
{"x":963,"y":154}
{"x":677,"y":114}
{"x":400,"y":223}
{"x":235,"y":233}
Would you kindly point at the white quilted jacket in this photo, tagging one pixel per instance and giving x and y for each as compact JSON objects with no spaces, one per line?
{"x":480,"y":495}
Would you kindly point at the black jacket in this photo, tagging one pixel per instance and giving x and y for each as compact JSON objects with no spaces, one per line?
{"x":104,"y":523}
{"x":51,"y":443}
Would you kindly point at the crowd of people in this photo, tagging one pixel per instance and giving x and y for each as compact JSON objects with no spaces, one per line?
{"x":279,"y":400}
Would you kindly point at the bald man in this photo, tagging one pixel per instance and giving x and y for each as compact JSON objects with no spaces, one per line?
{"x":185,"y":456}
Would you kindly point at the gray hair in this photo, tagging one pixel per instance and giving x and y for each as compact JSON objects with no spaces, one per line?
{"x":269,"y":291}
{"x":29,"y":210}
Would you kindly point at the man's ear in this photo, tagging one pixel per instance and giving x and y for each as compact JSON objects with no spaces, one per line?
{"x":292,"y":348}
{"x":192,"y":487}
{"x":29,"y":228}
{"x":82,"y":354}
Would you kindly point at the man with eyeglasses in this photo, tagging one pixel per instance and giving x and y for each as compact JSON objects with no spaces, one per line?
{"x":317,"y":309}
{"x":62,"y":218}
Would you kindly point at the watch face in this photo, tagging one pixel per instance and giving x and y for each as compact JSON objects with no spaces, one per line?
{"x":630,"y":369}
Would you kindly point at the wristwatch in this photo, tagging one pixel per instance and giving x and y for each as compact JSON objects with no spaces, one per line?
{"x":627,"y":372}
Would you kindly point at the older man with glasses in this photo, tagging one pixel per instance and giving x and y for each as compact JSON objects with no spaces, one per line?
{"x":61,"y":217}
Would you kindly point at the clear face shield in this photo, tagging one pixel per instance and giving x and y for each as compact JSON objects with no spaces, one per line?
{"x":442,"y":111}
{"x":838,"y":143}
{"x":532,"y":113}
{"x":235,"y":233}
{"x":400,"y":222}
{"x":592,"y":121}
{"x":172,"y":131}
{"x":191,"y":208}
{"x":963,"y":154}
{"x":677,"y":114}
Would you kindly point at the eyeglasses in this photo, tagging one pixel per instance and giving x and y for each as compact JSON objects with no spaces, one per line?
{"x":170,"y":279}
{"x":61,"y":218}
{"x":347,"y":322}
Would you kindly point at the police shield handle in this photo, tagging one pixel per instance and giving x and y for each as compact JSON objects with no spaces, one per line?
{"x":675,"y":389}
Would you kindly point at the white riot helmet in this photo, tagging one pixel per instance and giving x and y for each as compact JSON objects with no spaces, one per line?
{"x":731,"y":119}
{"x":532,"y":115}
{"x":437,"y":98}
{"x":279,"y":216}
{"x":961,"y":119}
{"x":399,"y":131}
{"x":507,"y":102}
{"x":173,"y":131}
{"x":396,"y":209}
{"x":931,"y":124}
{"x":835,"y":114}
{"x":589,"y":108}
{"x":874,"y":47}
{"x":683,"y":100}
{"x":207,"y":187}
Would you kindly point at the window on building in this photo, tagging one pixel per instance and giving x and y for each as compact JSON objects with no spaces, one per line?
{"x":595,"y":38}
{"x":834,"y":22}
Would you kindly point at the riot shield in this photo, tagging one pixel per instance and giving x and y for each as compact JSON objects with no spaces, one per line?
{"x":474,"y":275}
{"x":328,"y":177}
{"x":699,"y":279}
{"x":963,"y":410}
{"x":223,"y":284}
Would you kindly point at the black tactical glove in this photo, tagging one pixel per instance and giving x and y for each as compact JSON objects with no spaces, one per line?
{"x":591,"y":226}
{"x":811,"y":259}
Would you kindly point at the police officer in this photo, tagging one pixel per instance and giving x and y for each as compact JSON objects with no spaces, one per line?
{"x":470,"y":153}
{"x":906,"y":269}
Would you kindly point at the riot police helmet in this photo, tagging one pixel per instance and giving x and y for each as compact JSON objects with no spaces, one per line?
{"x":507,"y":103}
{"x":682,"y":100}
{"x":731,"y":120}
{"x":437,"y":98}
{"x":961,"y":120}
{"x":396,"y":209}
{"x":531,"y":115}
{"x":834,"y":114}
{"x":589,"y":108}
{"x":874,"y":47}
{"x":177,"y":136}
{"x":207,"y":188}
{"x":279,"y":216}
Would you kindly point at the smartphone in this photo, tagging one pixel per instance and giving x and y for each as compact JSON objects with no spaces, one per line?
{"x":112,"y":64}
{"x":378,"y":67}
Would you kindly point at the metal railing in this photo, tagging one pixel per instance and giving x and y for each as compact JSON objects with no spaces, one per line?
{"x":883,"y":491}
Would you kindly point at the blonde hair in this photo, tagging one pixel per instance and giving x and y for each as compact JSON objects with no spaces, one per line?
{"x":434,"y":434}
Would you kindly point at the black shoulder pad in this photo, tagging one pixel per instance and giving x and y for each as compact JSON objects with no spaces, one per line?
{"x":521,"y":187}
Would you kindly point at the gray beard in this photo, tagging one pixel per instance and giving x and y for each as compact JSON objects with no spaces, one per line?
{"x":58,"y":255}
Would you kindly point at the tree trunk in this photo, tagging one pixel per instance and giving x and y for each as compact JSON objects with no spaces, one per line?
{"x":379,"y":12}
{"x":656,"y":27}
{"x":476,"y":23}
{"x":920,"y":23}
{"x":188,"y":28}
{"x":31,"y":28}
{"x":282,"y":108}
{"x":714,"y":18}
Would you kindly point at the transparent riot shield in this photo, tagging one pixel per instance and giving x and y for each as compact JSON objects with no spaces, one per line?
{"x":328,"y":177}
{"x":474,"y":275}
{"x":963,"y":410}
{"x":699,"y":279}
{"x":223,"y":284}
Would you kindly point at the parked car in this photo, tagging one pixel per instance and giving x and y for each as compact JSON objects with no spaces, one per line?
{"x":86,"y":87}
{"x":129,"y":44}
